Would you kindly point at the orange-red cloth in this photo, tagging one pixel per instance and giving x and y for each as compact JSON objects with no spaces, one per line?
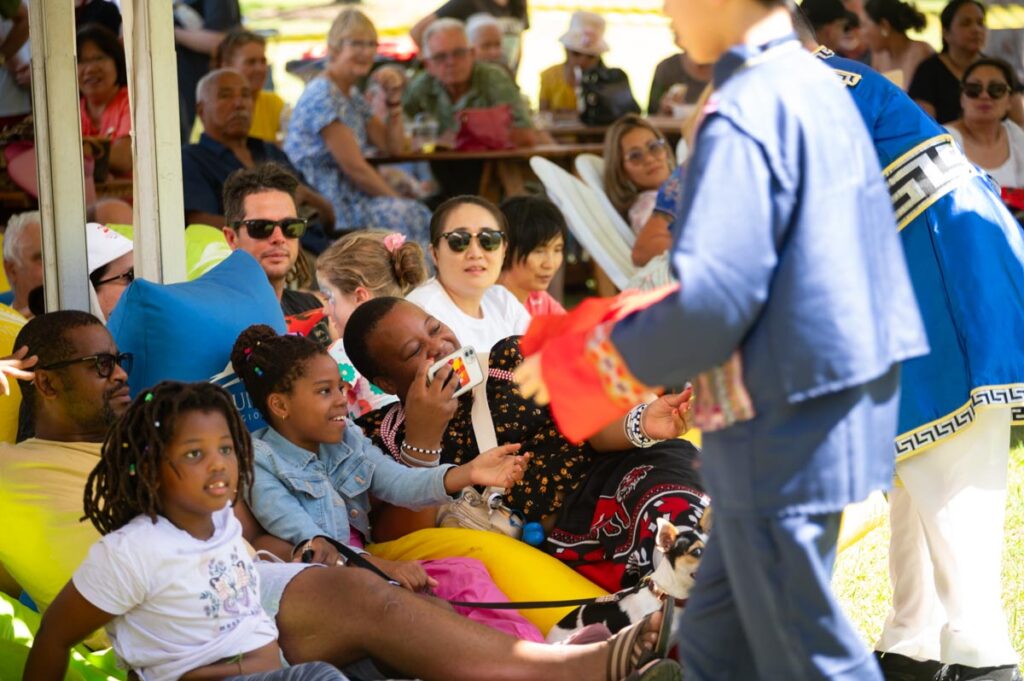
{"x":588,"y":381}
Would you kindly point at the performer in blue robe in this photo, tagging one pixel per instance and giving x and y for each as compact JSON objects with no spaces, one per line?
{"x":785,"y":249}
{"x":966,"y":258}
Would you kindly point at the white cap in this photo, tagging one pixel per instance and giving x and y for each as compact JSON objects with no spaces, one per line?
{"x":104,"y":245}
{"x":586,"y":34}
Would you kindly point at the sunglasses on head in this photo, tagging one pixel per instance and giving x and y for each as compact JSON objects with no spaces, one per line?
{"x":459,"y":240}
{"x":995,"y":90}
{"x":292,"y":228}
{"x":104,"y":362}
{"x":656,"y":148}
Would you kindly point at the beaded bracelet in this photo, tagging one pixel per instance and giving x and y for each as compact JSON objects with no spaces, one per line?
{"x":415,"y":461}
{"x":635,"y":430}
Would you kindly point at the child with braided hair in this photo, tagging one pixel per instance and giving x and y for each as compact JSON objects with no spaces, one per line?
{"x":171,"y":578}
{"x":315,"y":471}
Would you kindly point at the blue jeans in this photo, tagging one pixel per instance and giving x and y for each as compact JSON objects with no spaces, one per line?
{"x":762,"y":606}
{"x":310,"y":671}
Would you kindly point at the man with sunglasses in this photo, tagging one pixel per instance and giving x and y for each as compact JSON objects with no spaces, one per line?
{"x":259,"y":206}
{"x":225,"y":106}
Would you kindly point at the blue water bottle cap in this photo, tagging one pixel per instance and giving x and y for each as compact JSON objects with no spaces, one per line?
{"x":533,"y":533}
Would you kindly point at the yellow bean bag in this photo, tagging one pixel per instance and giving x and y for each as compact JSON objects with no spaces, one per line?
{"x":522,"y":572}
{"x":10,"y":324}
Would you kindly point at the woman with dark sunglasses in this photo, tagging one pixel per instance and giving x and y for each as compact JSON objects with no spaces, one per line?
{"x":468,"y":239}
{"x":988,"y":137}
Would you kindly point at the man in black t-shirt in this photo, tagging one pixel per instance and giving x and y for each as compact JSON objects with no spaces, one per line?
{"x":259,"y":207}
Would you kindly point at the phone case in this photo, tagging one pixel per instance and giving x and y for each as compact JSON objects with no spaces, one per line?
{"x":465,"y":367}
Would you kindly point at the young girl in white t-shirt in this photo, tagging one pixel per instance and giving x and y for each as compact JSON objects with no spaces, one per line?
{"x":170,"y":579}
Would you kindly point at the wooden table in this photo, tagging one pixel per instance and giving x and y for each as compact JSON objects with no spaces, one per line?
{"x":504,"y":170}
{"x":562,"y":128}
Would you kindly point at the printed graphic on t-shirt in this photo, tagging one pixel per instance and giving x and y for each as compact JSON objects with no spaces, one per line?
{"x":233,"y":593}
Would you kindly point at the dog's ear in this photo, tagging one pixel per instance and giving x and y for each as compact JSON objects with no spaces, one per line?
{"x":705,"y":520}
{"x":667,"y":534}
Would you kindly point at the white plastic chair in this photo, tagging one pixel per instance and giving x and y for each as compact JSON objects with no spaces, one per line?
{"x":588,"y":220}
{"x":591,"y":169}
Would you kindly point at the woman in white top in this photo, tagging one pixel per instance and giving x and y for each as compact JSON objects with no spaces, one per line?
{"x":989,"y":139}
{"x":468,"y":242}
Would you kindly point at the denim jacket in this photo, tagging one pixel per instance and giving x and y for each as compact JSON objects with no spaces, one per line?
{"x":297,"y":495}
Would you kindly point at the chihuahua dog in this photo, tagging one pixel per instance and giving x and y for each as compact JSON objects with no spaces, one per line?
{"x":678,"y":553}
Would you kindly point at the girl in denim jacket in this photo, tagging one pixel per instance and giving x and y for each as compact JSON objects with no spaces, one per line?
{"x":315,"y":472}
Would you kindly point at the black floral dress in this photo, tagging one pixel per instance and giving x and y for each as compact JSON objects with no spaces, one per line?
{"x":605,"y":504}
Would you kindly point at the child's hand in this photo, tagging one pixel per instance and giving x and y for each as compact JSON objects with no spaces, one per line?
{"x":666,"y":418}
{"x":15,"y":365}
{"x":498,"y":467}
{"x":323,"y":552}
{"x":409,"y":573}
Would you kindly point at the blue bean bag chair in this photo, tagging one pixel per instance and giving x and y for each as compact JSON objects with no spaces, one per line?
{"x":184,"y":332}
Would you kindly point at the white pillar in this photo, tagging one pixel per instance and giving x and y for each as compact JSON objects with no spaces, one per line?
{"x":58,"y":133}
{"x":153,"y":91}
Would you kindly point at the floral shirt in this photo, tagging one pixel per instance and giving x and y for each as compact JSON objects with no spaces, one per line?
{"x":363,"y":396}
{"x":321,"y":104}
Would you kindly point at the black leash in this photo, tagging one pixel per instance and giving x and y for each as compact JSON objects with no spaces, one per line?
{"x":356,"y":560}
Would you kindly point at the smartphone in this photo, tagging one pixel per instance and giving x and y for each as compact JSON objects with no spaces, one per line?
{"x":465,"y":369}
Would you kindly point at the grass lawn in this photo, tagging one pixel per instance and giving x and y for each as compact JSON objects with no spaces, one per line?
{"x":861,"y":579}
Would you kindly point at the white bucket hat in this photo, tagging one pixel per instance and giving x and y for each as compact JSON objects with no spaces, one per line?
{"x":104,"y":245}
{"x":585,"y":34}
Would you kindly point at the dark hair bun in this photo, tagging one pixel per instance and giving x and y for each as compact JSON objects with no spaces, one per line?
{"x":246,"y":343}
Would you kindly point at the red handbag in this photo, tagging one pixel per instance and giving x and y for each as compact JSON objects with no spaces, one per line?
{"x":484,"y":129}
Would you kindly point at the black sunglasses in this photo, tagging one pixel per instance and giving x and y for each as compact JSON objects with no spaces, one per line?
{"x":104,"y":363}
{"x":995,"y":90}
{"x":293,"y":228}
{"x":459,"y":240}
{"x":128,"y":277}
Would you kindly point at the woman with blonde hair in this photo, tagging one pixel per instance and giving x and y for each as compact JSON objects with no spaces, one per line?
{"x":637,"y":160}
{"x":333,"y":128}
{"x":370,"y":263}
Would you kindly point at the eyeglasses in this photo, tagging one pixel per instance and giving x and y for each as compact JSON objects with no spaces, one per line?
{"x":656,"y":148}
{"x":293,"y":228}
{"x":456,"y":54}
{"x":128,"y":277}
{"x":459,"y":240}
{"x":362,"y":44}
{"x":995,"y":90}
{"x":104,"y":363}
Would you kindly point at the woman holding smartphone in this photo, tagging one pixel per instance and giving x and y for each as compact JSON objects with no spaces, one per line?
{"x":468,"y":240}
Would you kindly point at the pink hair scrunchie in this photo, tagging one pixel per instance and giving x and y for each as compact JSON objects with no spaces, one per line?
{"x":393,"y":242}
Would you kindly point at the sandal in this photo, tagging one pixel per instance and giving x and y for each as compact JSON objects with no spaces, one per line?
{"x":628,"y":660}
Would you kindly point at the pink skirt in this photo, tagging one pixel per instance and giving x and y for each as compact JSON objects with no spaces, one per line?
{"x":466,"y":579}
